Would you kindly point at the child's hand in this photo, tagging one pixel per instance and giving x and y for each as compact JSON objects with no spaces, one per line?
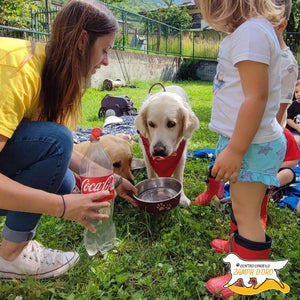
{"x":227,"y":166}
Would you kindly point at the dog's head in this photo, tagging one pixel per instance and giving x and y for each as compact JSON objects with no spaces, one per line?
{"x":229,"y":258}
{"x":165,"y":119}
{"x":120,"y":152}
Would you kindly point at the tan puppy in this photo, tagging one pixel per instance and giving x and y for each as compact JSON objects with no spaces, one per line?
{"x":119,"y":150}
{"x":165,"y":123}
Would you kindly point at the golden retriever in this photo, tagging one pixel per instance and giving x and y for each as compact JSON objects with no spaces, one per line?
{"x":165,"y":123}
{"x":119,"y":149}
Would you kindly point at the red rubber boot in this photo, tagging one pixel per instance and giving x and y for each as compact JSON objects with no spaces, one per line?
{"x":264,"y":211}
{"x":214,"y":188}
{"x":245,"y":249}
{"x":223,"y":245}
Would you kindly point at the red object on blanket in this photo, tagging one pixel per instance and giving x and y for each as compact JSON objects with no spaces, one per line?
{"x":292,"y":149}
{"x":164,"y":166}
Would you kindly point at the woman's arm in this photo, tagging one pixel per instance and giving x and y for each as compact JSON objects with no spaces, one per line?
{"x":76,"y":161}
{"x":255,"y":83}
{"x":78,"y":207}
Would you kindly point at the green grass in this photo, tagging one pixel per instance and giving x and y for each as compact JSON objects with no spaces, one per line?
{"x":159,"y":256}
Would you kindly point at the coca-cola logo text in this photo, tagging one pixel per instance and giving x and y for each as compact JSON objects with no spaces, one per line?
{"x":96,"y":184}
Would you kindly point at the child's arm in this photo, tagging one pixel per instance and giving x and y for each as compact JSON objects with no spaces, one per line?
{"x":255,"y":82}
{"x":292,"y":124}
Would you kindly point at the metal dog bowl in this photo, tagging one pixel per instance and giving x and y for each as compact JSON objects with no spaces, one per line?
{"x":158,"y":195}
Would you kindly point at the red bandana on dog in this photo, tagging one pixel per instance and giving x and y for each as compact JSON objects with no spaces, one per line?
{"x":164,"y":166}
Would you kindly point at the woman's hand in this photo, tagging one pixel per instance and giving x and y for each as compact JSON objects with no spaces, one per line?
{"x":82,"y":207}
{"x":125,"y":190}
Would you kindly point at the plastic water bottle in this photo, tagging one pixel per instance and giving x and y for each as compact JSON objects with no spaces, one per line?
{"x":96,"y":174}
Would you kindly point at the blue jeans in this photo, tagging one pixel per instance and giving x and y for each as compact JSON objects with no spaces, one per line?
{"x":38,"y":155}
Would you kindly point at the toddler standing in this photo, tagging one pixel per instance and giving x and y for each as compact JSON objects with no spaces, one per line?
{"x":251,"y":144}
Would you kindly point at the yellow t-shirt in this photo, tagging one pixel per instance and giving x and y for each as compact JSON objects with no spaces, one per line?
{"x":20,"y":81}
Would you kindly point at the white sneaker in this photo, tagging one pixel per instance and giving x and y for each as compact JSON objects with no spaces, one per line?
{"x":39,"y":262}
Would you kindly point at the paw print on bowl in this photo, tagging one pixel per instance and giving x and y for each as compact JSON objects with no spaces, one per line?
{"x":163,"y":206}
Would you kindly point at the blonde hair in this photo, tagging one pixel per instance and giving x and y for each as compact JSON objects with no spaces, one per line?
{"x":227,"y":15}
{"x":287,"y":7}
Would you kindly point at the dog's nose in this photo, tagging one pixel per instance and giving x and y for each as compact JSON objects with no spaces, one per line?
{"x":159,"y":150}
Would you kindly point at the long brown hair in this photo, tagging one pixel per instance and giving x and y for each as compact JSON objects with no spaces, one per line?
{"x":67,"y":67}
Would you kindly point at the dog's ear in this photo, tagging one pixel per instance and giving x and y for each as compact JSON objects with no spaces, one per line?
{"x":190,"y":122}
{"x":140,"y":122}
{"x":126,"y":137}
{"x":227,"y":258}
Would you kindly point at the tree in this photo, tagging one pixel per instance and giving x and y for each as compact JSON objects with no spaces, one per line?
{"x":16,"y":13}
{"x":173,"y":16}
{"x":292,"y":36}
{"x":294,"y":21}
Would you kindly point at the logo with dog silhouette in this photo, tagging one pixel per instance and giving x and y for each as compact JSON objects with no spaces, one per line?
{"x":255,"y":276}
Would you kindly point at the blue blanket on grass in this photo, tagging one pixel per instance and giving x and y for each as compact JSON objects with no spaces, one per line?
{"x":127,"y":127}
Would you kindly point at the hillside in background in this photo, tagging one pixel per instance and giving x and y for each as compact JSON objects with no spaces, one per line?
{"x":134,"y":5}
{"x":143,"y":5}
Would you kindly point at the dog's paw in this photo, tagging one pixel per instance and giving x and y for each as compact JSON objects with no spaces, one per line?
{"x":184,"y":201}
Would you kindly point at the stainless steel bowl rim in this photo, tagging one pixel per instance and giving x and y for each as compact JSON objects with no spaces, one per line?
{"x":159,"y":179}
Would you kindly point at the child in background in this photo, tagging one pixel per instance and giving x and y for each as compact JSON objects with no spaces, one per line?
{"x":289,"y":65}
{"x":251,"y":145}
{"x":286,"y":174}
{"x":293,"y":114}
{"x":289,"y":75}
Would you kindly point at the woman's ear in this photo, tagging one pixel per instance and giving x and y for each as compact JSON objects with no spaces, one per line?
{"x":82,"y":40}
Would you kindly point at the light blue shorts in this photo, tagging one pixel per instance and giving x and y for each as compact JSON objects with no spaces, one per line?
{"x":261,"y":162}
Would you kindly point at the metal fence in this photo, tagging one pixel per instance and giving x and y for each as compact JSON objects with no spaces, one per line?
{"x":23,"y":33}
{"x":141,"y":34}
{"x":42,"y":20}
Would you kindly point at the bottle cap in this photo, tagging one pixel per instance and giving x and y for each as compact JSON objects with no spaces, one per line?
{"x":96,"y":133}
